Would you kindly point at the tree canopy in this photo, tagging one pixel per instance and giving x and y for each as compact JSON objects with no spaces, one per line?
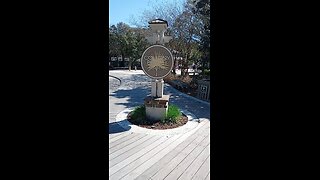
{"x":126,"y":42}
{"x":189,"y":25}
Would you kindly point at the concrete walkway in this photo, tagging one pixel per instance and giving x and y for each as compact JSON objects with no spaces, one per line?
{"x":140,"y":155}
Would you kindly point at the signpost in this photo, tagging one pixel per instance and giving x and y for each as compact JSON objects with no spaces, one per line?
{"x":157,"y":62}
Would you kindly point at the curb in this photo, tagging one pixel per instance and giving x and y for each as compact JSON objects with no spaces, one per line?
{"x":119,"y":84}
{"x":116,"y":78}
{"x":192,"y":123}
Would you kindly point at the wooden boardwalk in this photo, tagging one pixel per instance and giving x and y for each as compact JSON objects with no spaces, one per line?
{"x":143,"y":156}
{"x":147,"y":156}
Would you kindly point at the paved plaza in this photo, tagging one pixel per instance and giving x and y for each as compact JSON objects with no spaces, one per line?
{"x":136,"y":153}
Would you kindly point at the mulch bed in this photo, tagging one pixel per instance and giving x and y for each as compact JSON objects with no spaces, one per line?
{"x":192,"y":90}
{"x":157,"y":125}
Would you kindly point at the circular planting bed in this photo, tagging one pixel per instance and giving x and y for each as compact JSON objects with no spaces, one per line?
{"x":175,"y":118}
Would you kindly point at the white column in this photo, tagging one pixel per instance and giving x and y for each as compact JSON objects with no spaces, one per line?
{"x":160,"y":88}
{"x":154,"y":88}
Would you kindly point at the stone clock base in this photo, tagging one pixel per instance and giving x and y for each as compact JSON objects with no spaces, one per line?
{"x":156,"y":108}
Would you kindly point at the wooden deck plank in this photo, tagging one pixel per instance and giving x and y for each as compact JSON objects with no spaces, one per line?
{"x":185,"y":163}
{"x":123,"y":139}
{"x":166,"y":170}
{"x":151,"y":158}
{"x":113,"y":135}
{"x":203,"y":170}
{"x":208,"y":176}
{"x":195,"y":165}
{"x":117,"y":136}
{"x":167,"y":158}
{"x":126,"y":143}
{"x":125,"y":162}
{"x":132,"y":151}
{"x":123,"y":173}
{"x":118,"y":152}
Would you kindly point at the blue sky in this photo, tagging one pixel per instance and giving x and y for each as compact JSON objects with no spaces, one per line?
{"x":124,"y":10}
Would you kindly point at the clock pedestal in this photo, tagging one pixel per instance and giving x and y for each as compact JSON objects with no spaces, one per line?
{"x":157,"y":88}
{"x":156,"y":107}
{"x":157,"y":62}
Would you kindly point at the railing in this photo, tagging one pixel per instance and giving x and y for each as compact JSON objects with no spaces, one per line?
{"x":204,"y":90}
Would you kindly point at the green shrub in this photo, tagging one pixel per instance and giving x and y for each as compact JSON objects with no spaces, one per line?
{"x":139,"y":111}
{"x":173,"y":114}
{"x":206,"y":72}
{"x":138,"y":115}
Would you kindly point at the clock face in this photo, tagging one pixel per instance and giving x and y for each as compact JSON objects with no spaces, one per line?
{"x":157,"y":61}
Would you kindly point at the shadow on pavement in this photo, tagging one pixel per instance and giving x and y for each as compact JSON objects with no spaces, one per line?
{"x":116,"y":128}
{"x":135,"y":97}
{"x":141,"y":88}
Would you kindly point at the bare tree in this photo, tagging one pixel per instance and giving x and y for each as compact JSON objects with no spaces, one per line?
{"x":185,"y":26}
{"x":185,"y":31}
{"x":168,"y":11}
